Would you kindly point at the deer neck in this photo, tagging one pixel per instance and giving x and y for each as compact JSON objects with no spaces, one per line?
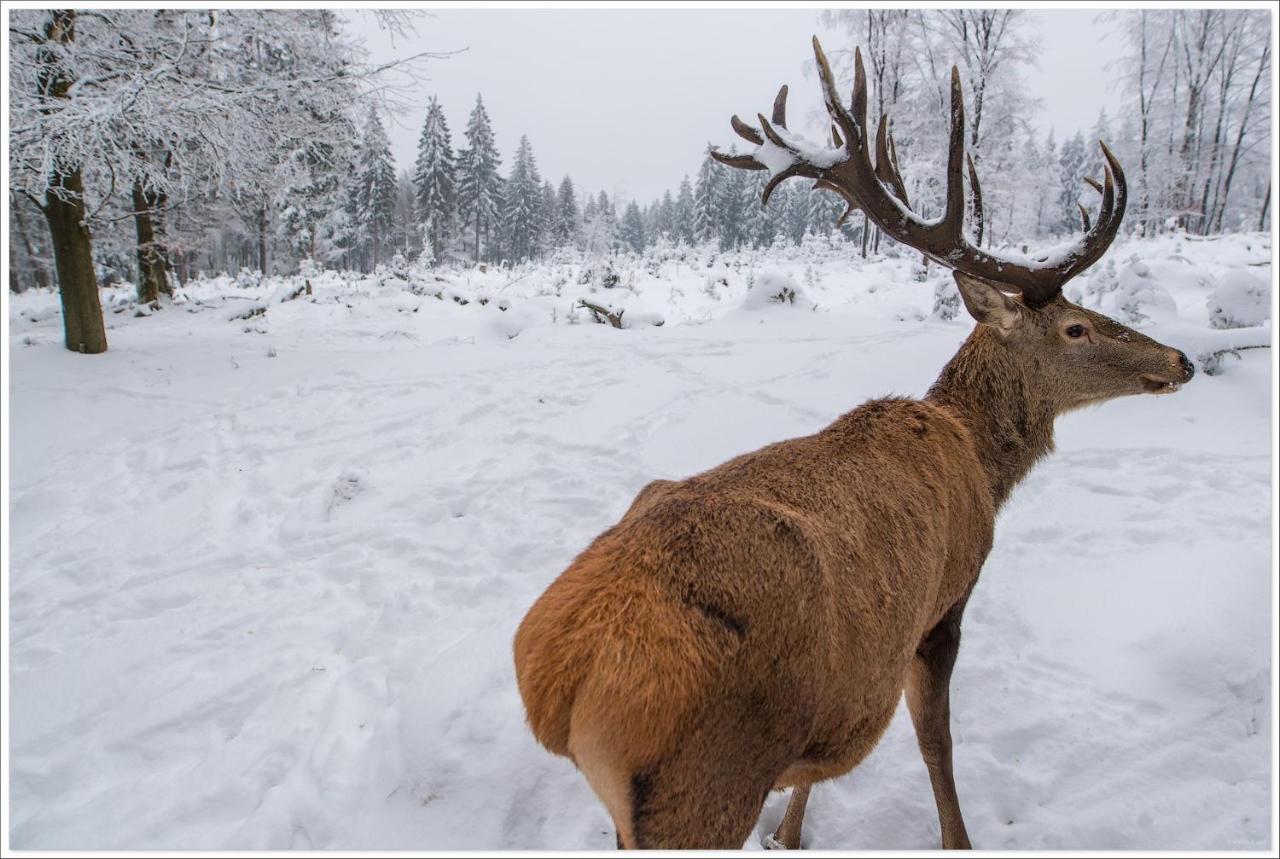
{"x":995,"y":396}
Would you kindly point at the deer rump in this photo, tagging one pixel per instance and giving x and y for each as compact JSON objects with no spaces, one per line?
{"x":783,"y":589}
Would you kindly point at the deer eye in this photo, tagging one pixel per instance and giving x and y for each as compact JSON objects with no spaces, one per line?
{"x":1075,"y":331}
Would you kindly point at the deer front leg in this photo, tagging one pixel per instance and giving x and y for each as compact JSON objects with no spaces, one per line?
{"x":929,"y":700}
{"x":787,"y":835}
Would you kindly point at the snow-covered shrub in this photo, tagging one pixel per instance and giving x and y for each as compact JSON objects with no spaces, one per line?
{"x":1100,"y":281}
{"x":1137,"y":297}
{"x":248,"y":278}
{"x":399,"y":266}
{"x":1239,"y":301}
{"x":810,"y":277}
{"x":920,"y":270}
{"x":606,"y":275}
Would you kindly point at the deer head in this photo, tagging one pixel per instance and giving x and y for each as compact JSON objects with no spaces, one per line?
{"x":1076,"y":356}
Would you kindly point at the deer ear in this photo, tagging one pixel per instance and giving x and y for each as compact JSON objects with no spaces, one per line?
{"x":987,"y":304}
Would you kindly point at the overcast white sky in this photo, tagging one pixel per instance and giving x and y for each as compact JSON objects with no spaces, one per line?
{"x":626,"y":100}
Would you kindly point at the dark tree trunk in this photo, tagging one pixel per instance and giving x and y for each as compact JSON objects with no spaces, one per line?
{"x":153,"y":264}
{"x":1266,"y":204}
{"x":262,"y":241}
{"x":73,"y":256}
{"x":84,"y":330}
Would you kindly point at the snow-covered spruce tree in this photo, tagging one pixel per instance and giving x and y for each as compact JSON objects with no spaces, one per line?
{"x":664,"y":213}
{"x":435,"y":180}
{"x":479,"y":186}
{"x":567,"y":227}
{"x":706,"y":202}
{"x":762,"y":221}
{"x":600,"y":226}
{"x":731,"y":205}
{"x":682,"y":220}
{"x":799,"y":212}
{"x":550,"y":207}
{"x":375,"y":186}
{"x":522,"y":205}
{"x":1048,"y":188}
{"x":310,"y":180}
{"x":631,"y":231}
{"x":1073,"y":166}
{"x":406,"y":236}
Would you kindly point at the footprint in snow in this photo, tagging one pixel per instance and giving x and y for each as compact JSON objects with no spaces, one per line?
{"x":345,"y":488}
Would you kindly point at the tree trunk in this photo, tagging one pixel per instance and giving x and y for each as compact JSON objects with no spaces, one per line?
{"x":153,"y":265}
{"x":83,"y":328}
{"x":73,"y":256}
{"x":1266,"y":204}
{"x":262,"y":241}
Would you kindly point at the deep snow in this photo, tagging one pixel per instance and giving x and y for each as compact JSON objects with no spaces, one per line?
{"x":265,"y":572}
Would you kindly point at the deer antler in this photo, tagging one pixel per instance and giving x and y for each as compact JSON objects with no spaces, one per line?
{"x":880,"y":192}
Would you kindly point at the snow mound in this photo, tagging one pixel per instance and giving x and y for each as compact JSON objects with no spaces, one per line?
{"x":1240,"y":301}
{"x":772,"y":288}
{"x":508,"y":324}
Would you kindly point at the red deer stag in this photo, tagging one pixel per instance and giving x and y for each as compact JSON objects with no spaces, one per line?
{"x":752,"y":627}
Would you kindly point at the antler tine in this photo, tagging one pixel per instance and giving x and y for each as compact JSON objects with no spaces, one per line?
{"x":793,"y":170}
{"x":835,"y":137}
{"x":897,"y":171}
{"x":885,"y":168}
{"x":953,"y":216}
{"x":773,"y":136}
{"x":742,"y":162}
{"x":745,"y":131}
{"x":977,"y":201}
{"x":1084,"y":216}
{"x":834,"y":107}
{"x":1093,"y":183}
{"x":1121,"y":186}
{"x":859,"y":101}
{"x":1098,"y":237}
{"x":780,"y":107}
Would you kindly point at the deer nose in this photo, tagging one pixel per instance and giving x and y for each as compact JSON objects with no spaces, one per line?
{"x":1188,"y":369}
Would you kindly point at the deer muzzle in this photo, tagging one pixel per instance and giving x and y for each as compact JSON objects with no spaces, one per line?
{"x":1159,"y":383}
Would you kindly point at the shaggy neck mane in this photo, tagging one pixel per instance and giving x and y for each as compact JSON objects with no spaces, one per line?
{"x":990,"y":391}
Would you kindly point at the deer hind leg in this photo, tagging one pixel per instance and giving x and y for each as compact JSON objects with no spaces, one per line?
{"x":704,"y":794}
{"x":709,"y":793}
{"x":929,"y":700}
{"x":787,"y":835}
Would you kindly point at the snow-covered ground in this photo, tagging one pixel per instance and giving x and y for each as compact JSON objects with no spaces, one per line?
{"x":265,"y":572}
